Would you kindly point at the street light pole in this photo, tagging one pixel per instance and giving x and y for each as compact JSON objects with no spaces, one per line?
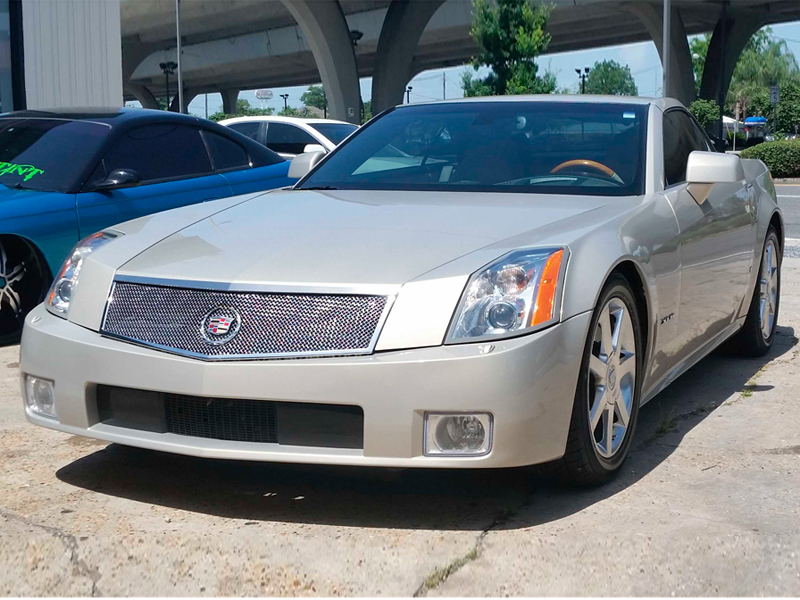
{"x":168,"y":67}
{"x":408,"y":94}
{"x":180,"y":72}
{"x":582,"y":76}
{"x":285,"y":101}
{"x":667,"y":18}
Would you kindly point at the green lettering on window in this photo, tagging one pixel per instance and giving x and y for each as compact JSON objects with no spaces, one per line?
{"x":26,"y":171}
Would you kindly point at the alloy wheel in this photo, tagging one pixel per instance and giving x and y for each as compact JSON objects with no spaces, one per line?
{"x":768,"y":289}
{"x":612,"y":378}
{"x":11,"y":276}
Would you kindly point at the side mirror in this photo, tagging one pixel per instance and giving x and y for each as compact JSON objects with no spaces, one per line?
{"x":704,"y":169}
{"x":118,"y":178}
{"x":314,"y":148}
{"x":303,"y":163}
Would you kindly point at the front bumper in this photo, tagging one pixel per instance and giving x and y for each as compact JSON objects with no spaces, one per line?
{"x":527,"y":384}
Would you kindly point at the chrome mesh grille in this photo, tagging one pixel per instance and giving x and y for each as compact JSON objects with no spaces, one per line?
{"x":272,"y":324}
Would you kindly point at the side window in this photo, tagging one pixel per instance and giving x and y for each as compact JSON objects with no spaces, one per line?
{"x":225,"y":153}
{"x":251,"y":129}
{"x":681,"y":138}
{"x":282,"y":137}
{"x":159,"y":152}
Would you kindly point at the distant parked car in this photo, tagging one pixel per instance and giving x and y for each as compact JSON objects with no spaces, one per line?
{"x":290,"y":136}
{"x":67,"y":174}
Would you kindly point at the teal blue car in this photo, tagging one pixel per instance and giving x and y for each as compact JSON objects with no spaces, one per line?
{"x":66,"y":174}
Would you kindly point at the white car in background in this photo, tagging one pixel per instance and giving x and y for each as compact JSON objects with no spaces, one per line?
{"x":290,"y":136}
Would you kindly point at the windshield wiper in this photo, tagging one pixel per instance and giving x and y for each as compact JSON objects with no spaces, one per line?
{"x":321,"y":188}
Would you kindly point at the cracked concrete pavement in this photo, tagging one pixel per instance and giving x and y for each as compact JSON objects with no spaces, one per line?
{"x":707,"y":505}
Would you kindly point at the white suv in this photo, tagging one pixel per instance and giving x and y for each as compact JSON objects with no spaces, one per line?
{"x":290,"y":136}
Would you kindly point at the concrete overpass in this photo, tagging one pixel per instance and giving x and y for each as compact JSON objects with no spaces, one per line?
{"x":245,"y":44}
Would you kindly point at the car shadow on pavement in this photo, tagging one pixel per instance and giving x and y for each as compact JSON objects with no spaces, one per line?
{"x":413,"y":498}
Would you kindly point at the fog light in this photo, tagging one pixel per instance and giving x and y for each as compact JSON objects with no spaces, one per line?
{"x":40,"y":396}
{"x":458,"y":434}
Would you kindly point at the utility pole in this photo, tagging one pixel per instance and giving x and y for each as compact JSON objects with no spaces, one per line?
{"x":667,"y":18}
{"x":444,"y":86}
{"x":180,"y":72}
{"x":206,"y":106}
{"x":408,"y":94}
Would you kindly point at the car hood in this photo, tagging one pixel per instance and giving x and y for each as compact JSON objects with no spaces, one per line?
{"x":347,"y":238}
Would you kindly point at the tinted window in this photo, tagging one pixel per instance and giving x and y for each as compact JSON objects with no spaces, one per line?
{"x":226,"y":154}
{"x":159,"y":152}
{"x":335,"y":132}
{"x":681,"y":138}
{"x":250,"y":128}
{"x":287,"y":138}
{"x":47,"y":155}
{"x":533,"y":147}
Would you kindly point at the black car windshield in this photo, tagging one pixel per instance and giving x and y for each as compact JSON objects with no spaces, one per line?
{"x":47,"y":154}
{"x":335,"y":132}
{"x":522,"y":146}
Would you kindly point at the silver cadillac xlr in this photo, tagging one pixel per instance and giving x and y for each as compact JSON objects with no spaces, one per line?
{"x":479,"y":283}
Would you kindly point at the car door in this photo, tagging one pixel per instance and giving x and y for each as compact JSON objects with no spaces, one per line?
{"x":288,"y":140}
{"x":232,"y":161}
{"x":716,"y":239}
{"x":174,"y":167}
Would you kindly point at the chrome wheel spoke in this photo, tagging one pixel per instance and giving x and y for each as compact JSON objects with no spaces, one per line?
{"x":606,"y":334}
{"x":598,"y":367}
{"x":608,"y":432}
{"x":622,"y":411}
{"x":598,"y":408}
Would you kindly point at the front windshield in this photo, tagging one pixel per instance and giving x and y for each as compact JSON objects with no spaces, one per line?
{"x":531,"y":147}
{"x":335,"y":132}
{"x":47,"y":154}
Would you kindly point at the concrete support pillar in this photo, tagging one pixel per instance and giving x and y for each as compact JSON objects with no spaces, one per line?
{"x":402,"y":28}
{"x":188,"y":95}
{"x":325,"y":29}
{"x":142,"y":94}
{"x":727,"y":42}
{"x":681,"y":83}
{"x":229,"y":98}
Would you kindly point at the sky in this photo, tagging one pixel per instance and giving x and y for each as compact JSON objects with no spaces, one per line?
{"x":642,"y":59}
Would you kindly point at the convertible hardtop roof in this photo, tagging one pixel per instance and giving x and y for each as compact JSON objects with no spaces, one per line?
{"x":109,"y":115}
{"x":662,"y":103}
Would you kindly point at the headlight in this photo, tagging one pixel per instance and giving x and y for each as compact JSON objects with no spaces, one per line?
{"x":60,"y":294}
{"x":516,"y":294}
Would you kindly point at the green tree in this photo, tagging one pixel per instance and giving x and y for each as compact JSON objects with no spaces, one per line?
{"x":705,"y":111}
{"x":291,"y":111}
{"x":787,"y":111}
{"x":367,"y":111}
{"x":243,"y":109}
{"x":698,"y":47}
{"x":610,"y":77}
{"x":315,"y":96}
{"x":510,"y":34}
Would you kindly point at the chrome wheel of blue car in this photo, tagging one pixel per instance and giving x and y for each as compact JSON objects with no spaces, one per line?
{"x":22,"y":286}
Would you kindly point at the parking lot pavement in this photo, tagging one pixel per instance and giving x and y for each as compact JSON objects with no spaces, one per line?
{"x":707,"y":504}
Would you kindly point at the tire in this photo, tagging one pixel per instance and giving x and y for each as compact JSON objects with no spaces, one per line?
{"x":756,"y":336}
{"x":592,"y":455}
{"x":23,"y":285}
